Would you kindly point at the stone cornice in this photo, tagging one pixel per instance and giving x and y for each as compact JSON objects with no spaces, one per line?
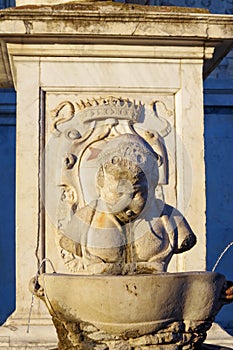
{"x":114,"y":23}
{"x":135,"y":20}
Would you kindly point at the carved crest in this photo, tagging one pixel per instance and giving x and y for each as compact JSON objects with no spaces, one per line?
{"x":110,"y":107}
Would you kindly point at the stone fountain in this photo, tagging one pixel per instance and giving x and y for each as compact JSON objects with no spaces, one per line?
{"x":110,"y":171}
{"x":117,"y":238}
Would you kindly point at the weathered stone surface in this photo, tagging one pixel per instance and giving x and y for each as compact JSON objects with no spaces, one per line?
{"x":113,"y":327}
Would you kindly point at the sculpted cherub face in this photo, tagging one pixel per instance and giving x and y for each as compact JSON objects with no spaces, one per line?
{"x":123,"y":187}
{"x":126,"y":164}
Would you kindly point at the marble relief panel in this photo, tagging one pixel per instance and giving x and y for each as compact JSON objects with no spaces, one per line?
{"x":63,"y":124}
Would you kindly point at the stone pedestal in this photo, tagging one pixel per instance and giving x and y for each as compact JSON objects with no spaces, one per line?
{"x":58,"y":54}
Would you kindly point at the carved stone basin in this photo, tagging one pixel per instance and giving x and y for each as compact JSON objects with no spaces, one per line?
{"x":133,"y":305}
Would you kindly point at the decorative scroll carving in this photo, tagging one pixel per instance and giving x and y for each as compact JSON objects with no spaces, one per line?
{"x":61,"y":114}
{"x":160,"y":110}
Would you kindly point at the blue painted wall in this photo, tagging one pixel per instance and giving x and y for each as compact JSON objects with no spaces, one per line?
{"x":7,"y":196}
{"x":219,"y":173}
{"x":7,"y":203}
{"x":6,"y":3}
{"x":218,"y":158}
